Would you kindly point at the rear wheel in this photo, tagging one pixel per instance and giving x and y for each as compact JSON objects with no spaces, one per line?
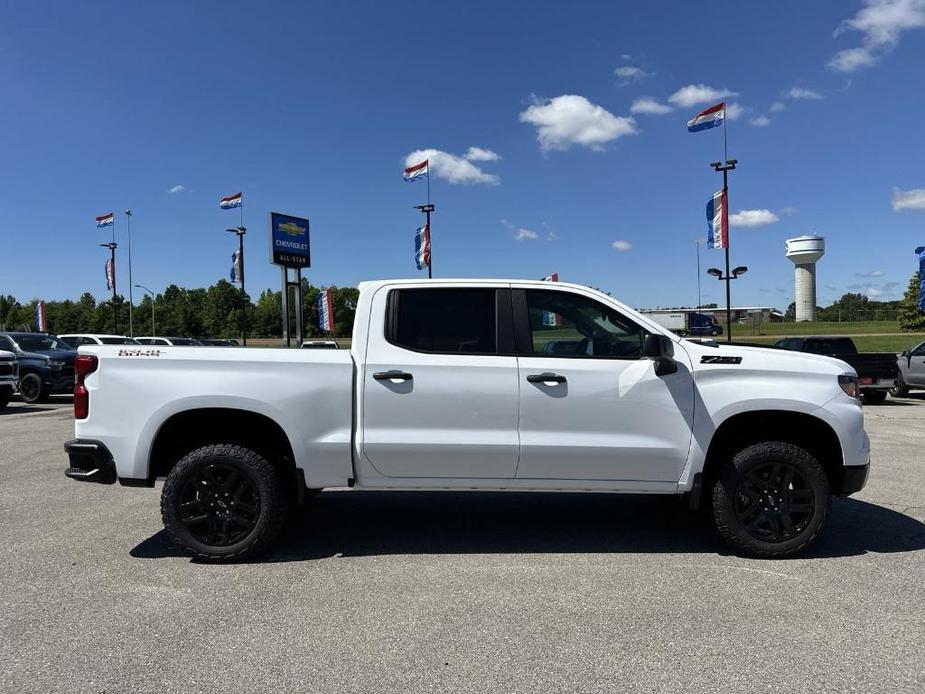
{"x":771,"y":500}
{"x":223,"y":502}
{"x":31,"y":388}
{"x":900,"y":389}
{"x":874,"y":397}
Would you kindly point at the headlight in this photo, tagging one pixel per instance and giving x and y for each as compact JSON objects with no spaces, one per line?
{"x":57,"y":364}
{"x":849,"y":384}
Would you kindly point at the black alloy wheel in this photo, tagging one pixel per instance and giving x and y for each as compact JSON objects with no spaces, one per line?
{"x":219,"y":505}
{"x":224,"y":502}
{"x":774,"y":502}
{"x":31,"y":388}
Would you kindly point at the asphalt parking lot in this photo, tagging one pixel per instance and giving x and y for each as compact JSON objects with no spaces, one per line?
{"x":372,"y":592}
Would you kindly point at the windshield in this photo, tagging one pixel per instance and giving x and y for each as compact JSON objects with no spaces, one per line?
{"x":39,"y":343}
{"x":119,"y":341}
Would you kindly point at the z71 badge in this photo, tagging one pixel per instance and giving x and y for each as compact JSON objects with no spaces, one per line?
{"x":139,"y":352}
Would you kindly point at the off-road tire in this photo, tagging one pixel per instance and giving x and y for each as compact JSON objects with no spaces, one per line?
{"x":734,"y":485}
{"x":874,"y":397}
{"x":265,"y":493}
{"x":35,"y":391}
{"x":6,"y":394}
{"x":899,"y":389}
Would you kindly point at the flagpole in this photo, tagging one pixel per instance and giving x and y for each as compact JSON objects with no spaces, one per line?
{"x":131,"y":322}
{"x":697,"y":241}
{"x":430,"y":232}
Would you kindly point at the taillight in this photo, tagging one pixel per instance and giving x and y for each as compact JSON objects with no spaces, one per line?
{"x":849,"y":384}
{"x":84,"y":365}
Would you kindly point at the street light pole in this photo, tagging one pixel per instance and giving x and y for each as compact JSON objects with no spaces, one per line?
{"x":240,"y":231}
{"x":141,"y":286}
{"x":726,"y":168}
{"x":728,"y":277}
{"x":128,"y":226}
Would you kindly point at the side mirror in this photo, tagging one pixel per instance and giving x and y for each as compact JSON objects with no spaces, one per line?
{"x":660,"y":349}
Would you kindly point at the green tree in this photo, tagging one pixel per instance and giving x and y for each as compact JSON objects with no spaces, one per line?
{"x":911,"y":317}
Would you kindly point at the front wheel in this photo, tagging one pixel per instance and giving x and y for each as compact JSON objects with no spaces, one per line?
{"x":31,"y":389}
{"x":223,"y":502}
{"x":900,"y":389}
{"x":771,"y":500}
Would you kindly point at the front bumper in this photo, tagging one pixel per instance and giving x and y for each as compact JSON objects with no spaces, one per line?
{"x":853,"y":479}
{"x":90,"y":461}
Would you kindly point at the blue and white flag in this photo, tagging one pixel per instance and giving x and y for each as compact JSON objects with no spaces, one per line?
{"x":920,"y":252}
{"x":718,"y":221}
{"x":326,"y":311}
{"x":422,"y":247}
{"x":40,"y":325}
{"x":712,"y":117}
{"x":237,"y":267}
{"x":110,"y":269}
{"x":413,"y":173}
{"x":229,"y":202}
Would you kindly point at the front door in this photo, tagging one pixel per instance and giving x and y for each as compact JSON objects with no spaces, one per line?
{"x":591,"y":406}
{"x":439,"y":397}
{"x":916,"y":370}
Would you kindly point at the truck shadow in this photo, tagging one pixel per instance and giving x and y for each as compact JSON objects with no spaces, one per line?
{"x":351,"y":524}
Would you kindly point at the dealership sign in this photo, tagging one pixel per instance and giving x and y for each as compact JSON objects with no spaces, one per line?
{"x":289,"y":242}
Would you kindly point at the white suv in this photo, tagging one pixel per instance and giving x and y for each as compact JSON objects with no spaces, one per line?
{"x":76,"y":340}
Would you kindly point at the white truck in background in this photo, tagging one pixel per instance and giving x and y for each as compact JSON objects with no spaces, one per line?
{"x":447,"y":386}
{"x":686,"y":323}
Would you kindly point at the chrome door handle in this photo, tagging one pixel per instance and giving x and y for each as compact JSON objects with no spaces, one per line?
{"x":545,"y":378}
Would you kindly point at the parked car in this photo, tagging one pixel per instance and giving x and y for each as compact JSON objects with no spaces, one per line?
{"x":446,"y":386}
{"x":46,"y":365}
{"x":9,"y":375}
{"x":169,"y":341}
{"x":876,"y":370}
{"x":216,"y":342}
{"x":911,"y":367}
{"x":76,"y":340}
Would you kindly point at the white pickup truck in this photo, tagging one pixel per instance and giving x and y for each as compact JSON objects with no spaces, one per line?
{"x":474,"y":385}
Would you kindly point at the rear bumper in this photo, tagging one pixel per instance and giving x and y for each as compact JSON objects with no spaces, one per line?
{"x":90,"y":461}
{"x":853,"y":479}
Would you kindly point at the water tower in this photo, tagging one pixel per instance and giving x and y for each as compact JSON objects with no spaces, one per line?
{"x":804,"y":252}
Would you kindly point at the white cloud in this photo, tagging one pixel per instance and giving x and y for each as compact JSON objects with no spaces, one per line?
{"x":622,"y":246}
{"x":872,"y":273}
{"x":694,"y":94}
{"x":649,"y":105}
{"x":883,"y":291}
{"x":480,"y":154}
{"x":881,"y":22}
{"x":788,"y":210}
{"x":753,"y":218}
{"x":176,"y":189}
{"x":629,"y":74}
{"x":525,"y":234}
{"x":908,"y":199}
{"x":760,"y":121}
{"x":777,"y":107}
{"x":800,"y":93}
{"x":573,"y":120}
{"x":451,"y":168}
{"x":734,"y":111}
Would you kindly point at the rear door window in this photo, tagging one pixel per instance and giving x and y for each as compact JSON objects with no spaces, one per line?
{"x":444,"y":321}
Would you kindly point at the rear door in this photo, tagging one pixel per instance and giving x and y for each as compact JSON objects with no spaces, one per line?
{"x":593,"y":408}
{"x":440,"y":389}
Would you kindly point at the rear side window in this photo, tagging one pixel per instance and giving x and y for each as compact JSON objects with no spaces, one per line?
{"x":118,"y":341}
{"x":831,"y":346}
{"x":443,"y":321}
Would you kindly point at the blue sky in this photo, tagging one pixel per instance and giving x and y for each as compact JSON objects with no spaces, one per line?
{"x":313,"y":108}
